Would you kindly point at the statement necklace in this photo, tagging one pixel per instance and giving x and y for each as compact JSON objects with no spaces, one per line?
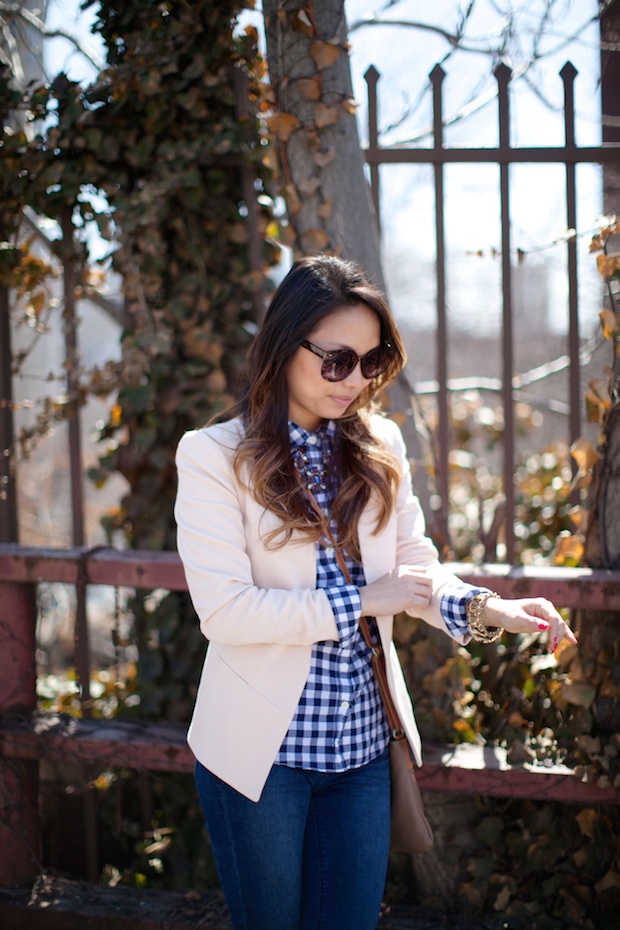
{"x":313,"y":476}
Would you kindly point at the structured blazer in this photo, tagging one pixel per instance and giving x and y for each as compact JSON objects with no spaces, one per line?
{"x":260,"y":609}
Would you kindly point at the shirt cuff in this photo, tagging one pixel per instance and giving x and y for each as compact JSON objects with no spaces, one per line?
{"x":454,"y":607}
{"x":346,"y":604}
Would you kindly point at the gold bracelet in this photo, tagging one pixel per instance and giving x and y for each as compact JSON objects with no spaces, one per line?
{"x":475,"y":622}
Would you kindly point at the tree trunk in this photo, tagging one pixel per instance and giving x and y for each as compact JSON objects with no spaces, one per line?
{"x":602,"y":547}
{"x":325,"y":186}
{"x":597,"y":664}
{"x":321,"y":164}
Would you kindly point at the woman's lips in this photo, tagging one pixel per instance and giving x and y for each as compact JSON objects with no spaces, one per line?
{"x":342,"y":401}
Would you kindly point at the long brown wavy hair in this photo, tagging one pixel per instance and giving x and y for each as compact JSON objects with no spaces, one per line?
{"x":313,"y":289}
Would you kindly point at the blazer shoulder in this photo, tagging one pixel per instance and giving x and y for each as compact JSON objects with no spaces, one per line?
{"x":223,"y":437}
{"x":387,"y":432}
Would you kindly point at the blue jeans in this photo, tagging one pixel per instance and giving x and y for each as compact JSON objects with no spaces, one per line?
{"x":310,"y":855}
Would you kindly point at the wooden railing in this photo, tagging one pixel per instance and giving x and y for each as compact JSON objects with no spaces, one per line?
{"x":28,"y":736}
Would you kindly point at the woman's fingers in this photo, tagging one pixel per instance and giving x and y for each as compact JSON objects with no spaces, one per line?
{"x":395,"y":591}
{"x":529,"y":615}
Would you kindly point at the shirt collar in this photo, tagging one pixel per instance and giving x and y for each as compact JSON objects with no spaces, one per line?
{"x":299,"y":436}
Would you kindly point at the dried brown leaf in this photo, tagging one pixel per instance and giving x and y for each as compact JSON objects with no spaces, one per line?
{"x":270,"y":160}
{"x":310,"y":88}
{"x":609,"y":322}
{"x":237,"y":233}
{"x":609,"y":881}
{"x":473,"y":893}
{"x":326,"y":208}
{"x":287,"y":235}
{"x":311,"y":139}
{"x":315,"y":240}
{"x":596,"y":406}
{"x":350,"y":105}
{"x":325,"y":116}
{"x":217,"y":381}
{"x":309,"y":186}
{"x":584,"y":454}
{"x":324,"y":158}
{"x":607,"y":265}
{"x":576,"y":515}
{"x":578,"y":693}
{"x":324,"y":54}
{"x":291,"y":196}
{"x":300,"y":22}
{"x":568,"y":550}
{"x":502,"y":900}
{"x":586,"y":820}
{"x":282,"y":125}
{"x":566,"y":653}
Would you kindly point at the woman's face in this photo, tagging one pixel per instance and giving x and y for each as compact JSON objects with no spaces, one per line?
{"x":312,"y":399}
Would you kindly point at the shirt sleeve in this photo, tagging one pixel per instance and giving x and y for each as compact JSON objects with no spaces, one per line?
{"x":346,"y":603}
{"x":454,"y":602}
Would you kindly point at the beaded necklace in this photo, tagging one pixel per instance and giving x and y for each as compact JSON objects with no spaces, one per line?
{"x":314,"y":476}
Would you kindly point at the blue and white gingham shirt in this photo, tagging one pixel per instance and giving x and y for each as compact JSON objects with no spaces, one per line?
{"x":340,"y":722}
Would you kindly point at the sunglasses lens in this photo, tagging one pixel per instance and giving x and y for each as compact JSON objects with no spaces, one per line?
{"x":375,"y":363}
{"x":339,"y":366}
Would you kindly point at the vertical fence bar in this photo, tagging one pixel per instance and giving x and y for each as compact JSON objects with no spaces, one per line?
{"x":437,"y":76}
{"x":503,"y":75}
{"x":371,"y":77}
{"x":8,"y":479}
{"x":20,"y":831}
{"x":568,"y":75}
{"x":70,"y":332}
{"x":75,"y":452}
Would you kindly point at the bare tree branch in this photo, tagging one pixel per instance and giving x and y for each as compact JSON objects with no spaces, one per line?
{"x":506,"y":47}
{"x":16,"y":10}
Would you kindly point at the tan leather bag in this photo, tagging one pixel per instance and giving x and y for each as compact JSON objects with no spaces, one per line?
{"x":410,"y":831}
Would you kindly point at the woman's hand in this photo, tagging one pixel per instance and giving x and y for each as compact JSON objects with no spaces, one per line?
{"x":528,"y":615}
{"x":398,"y":590}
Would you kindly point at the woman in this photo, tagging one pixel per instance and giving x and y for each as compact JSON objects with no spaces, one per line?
{"x":288,"y":730}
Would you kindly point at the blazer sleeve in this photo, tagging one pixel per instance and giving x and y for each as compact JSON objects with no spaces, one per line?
{"x":212,"y":544}
{"x":413,"y":545}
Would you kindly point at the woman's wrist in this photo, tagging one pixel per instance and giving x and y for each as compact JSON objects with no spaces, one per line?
{"x":492,"y":614}
{"x":480,"y":624}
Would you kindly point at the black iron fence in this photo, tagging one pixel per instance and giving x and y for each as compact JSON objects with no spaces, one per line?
{"x":504,"y":155}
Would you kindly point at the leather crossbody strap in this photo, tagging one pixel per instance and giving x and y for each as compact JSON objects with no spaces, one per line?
{"x":378,"y":657}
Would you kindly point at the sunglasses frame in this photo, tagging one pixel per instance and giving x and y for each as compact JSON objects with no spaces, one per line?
{"x":329,"y":356}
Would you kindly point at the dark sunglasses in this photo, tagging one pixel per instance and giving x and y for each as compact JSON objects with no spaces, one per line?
{"x":338,"y":365}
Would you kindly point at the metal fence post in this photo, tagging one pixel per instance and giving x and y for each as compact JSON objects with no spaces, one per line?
{"x":20,"y":831}
{"x":8,"y":482}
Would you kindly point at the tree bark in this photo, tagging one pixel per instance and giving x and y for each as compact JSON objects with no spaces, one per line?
{"x":597,"y":663}
{"x":325,"y":185}
{"x":321,"y":163}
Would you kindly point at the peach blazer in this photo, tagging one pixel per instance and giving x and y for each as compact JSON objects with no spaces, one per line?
{"x":261,"y":611}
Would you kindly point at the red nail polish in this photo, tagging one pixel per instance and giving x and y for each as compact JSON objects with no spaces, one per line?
{"x":543,"y":625}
